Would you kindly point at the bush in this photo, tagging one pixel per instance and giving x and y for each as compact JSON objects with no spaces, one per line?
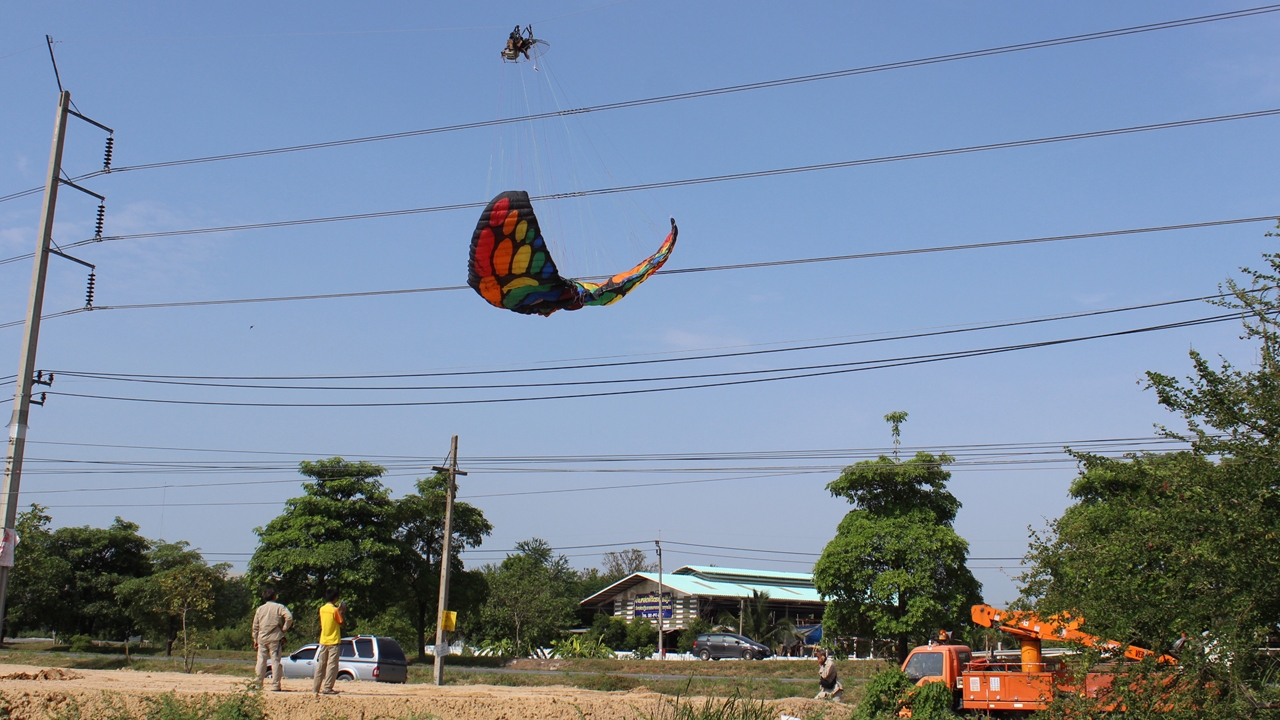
{"x":81,"y":643}
{"x":500,"y":648}
{"x":644,"y":652}
{"x":730,"y":708}
{"x":934,"y":701}
{"x":244,"y":705}
{"x":610,"y":630}
{"x":884,"y":695}
{"x":581,"y":646}
{"x":236,"y":637}
{"x":641,"y":632}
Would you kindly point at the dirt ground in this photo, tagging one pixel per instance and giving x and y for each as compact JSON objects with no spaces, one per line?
{"x":37,"y":693}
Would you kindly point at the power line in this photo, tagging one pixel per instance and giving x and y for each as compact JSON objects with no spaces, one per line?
{"x":208,"y":380}
{"x":521,"y":493}
{"x":680,"y":271}
{"x":739,"y":549}
{"x":1056,"y":457}
{"x":808,"y":372}
{"x":707,"y":179}
{"x":815,"y":453}
{"x":710,"y":92}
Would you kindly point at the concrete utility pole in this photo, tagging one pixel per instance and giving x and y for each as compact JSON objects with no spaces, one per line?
{"x":27,"y":362}
{"x":442,"y":646}
{"x":662,"y":655}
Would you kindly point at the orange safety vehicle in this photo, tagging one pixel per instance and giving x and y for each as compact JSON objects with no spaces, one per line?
{"x":1014,"y":687}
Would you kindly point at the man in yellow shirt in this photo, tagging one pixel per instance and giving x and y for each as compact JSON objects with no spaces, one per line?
{"x":331,"y":621}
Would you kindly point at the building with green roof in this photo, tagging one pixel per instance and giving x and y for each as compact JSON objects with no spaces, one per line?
{"x":708,"y":592}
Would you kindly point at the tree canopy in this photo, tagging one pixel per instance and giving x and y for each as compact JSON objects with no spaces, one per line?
{"x":340,"y":533}
{"x":531,"y":596}
{"x":65,"y":579}
{"x":420,"y":518}
{"x":1156,"y":545}
{"x":149,"y":600}
{"x":896,"y":568}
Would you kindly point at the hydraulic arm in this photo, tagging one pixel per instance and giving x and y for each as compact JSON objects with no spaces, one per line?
{"x":1031,"y":629}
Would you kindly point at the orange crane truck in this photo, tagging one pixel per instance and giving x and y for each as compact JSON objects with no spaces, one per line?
{"x":1014,"y":688}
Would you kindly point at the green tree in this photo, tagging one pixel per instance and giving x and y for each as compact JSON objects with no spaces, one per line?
{"x":616,"y":565}
{"x":188,"y":593}
{"x":610,"y":630}
{"x":1158,"y":545}
{"x":149,"y":600}
{"x":896,"y":567}
{"x":340,"y":533}
{"x":531,"y":598}
{"x":39,"y":579}
{"x":421,"y":527}
{"x":64,"y":580}
{"x":758,"y":622}
{"x":1189,"y":542}
{"x":1230,"y":412}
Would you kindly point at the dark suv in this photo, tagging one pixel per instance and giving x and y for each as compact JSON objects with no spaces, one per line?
{"x":713,"y":646}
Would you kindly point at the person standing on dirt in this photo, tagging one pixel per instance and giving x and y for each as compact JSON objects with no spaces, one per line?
{"x":828,"y":682}
{"x":270,"y":623}
{"x":332,"y":618}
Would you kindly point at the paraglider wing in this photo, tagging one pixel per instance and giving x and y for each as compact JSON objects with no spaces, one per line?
{"x":612,"y":290}
{"x":511,"y":267}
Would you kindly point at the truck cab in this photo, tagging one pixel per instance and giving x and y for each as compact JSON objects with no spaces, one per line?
{"x":938,"y":663}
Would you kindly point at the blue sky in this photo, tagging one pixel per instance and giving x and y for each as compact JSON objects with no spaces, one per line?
{"x":180,"y":81}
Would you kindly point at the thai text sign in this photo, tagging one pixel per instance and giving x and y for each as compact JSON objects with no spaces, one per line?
{"x":646,"y":605}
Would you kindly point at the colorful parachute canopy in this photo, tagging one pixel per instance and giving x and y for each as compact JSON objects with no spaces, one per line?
{"x":511,"y":267}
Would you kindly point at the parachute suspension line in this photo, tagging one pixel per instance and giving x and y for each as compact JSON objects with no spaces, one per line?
{"x":626,"y":210}
{"x":589,"y":227}
{"x":495,"y":145}
{"x":534,"y":154}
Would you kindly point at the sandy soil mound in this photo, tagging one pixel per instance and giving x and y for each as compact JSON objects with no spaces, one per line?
{"x":43,"y":674}
{"x":94,"y":693}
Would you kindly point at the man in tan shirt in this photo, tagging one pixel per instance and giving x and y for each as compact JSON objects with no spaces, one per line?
{"x":270,"y":623}
{"x":828,"y":681}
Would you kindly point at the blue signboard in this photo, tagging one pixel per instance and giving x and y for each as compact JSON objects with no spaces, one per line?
{"x":646,"y":606}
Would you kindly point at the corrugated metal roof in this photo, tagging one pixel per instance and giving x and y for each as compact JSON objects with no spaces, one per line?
{"x":726,"y":583}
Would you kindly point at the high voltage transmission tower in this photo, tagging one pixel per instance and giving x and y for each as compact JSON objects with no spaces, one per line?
{"x":27,"y":377}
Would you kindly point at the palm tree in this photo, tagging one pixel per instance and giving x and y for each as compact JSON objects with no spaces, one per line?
{"x":758,"y":623}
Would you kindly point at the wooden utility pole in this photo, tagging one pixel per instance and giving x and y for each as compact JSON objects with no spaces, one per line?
{"x":27,"y":361}
{"x":442,"y":646}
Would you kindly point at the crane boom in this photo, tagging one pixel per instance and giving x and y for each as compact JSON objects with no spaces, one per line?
{"x":1061,"y":627}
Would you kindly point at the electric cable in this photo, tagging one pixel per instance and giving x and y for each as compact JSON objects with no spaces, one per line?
{"x":817,"y":371}
{"x":703,"y":180}
{"x":739,"y":266}
{"x":710,"y":92}
{"x":208,"y":381}
{"x":755,"y":454}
